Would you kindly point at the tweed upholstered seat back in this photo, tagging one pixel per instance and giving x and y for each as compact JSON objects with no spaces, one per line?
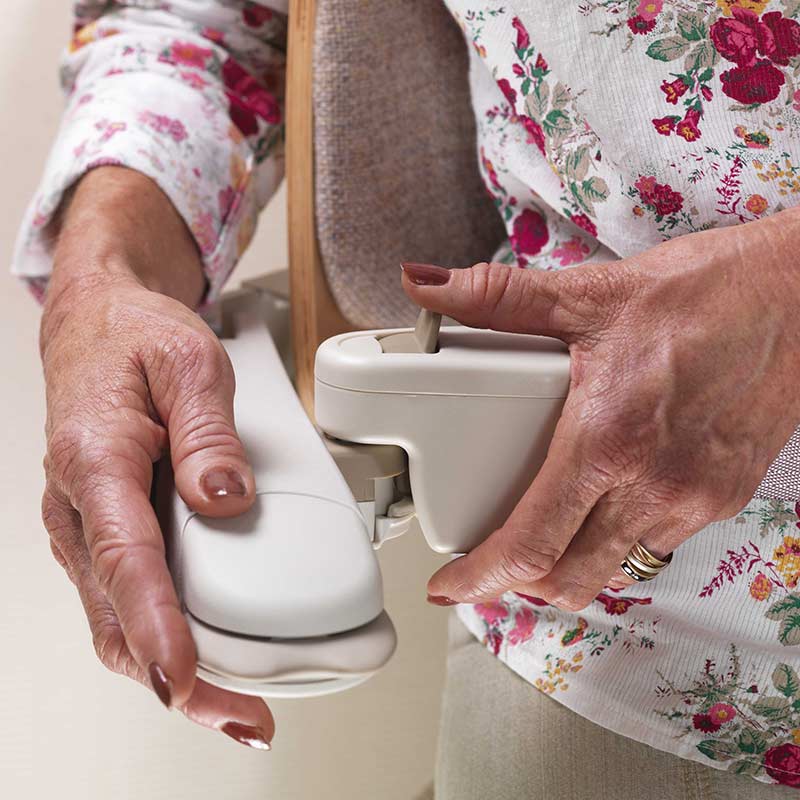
{"x":395,"y":155}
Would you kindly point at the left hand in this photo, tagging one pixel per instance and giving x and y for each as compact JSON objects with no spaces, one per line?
{"x":683,"y":390}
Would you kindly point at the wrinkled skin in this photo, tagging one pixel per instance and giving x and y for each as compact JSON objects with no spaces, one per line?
{"x":683,"y":390}
{"x":131,"y":372}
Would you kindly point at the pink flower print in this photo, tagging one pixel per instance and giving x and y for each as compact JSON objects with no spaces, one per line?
{"x":661,"y":197}
{"x":490,"y":170}
{"x":247,"y":99}
{"x":226,"y":199}
{"x":761,"y":587}
{"x":523,"y":39}
{"x":617,"y":606}
{"x":759,"y":83}
{"x":645,"y":185}
{"x":583,"y":222}
{"x":576,"y":634}
{"x":784,"y":42}
{"x":187,"y":54}
{"x":639,"y":24}
{"x":255,"y":14}
{"x":757,"y":204}
{"x":193,"y":79}
{"x":508,"y":92}
{"x":530,"y":233}
{"x":704,"y":723}
{"x":674,"y":90}
{"x":535,"y":132}
{"x":650,"y":9}
{"x":782,"y":764}
{"x":720,"y":713}
{"x":111,"y":129}
{"x":524,"y":625}
{"x":740,"y":38}
{"x":85,"y":98}
{"x":213,"y":35}
{"x":573,"y":251}
{"x":665,"y":125}
{"x":687,"y":127}
{"x":492,"y":612}
{"x":161,"y":123}
{"x":204,"y":232}
{"x":494,"y":640}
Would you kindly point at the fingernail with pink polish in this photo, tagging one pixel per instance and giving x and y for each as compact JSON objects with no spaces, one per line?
{"x":247,"y":735}
{"x":217,"y":483}
{"x":426,"y":274}
{"x":438,"y":600}
{"x":161,"y":684}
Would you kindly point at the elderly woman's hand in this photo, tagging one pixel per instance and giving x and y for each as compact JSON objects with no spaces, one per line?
{"x":131,"y":372}
{"x":685,"y":370}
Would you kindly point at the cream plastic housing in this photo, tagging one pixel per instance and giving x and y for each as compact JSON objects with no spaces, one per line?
{"x":475,"y":418}
{"x":287,"y":599}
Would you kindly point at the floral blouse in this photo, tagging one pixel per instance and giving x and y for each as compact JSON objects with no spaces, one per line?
{"x":188,"y":92}
{"x":605,"y":127}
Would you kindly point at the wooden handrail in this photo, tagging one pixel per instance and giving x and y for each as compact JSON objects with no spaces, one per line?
{"x":315,"y":315}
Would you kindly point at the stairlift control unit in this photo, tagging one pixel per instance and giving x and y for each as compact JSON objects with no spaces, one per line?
{"x":444,"y":430}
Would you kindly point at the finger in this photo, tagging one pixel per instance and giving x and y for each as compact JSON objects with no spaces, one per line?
{"x":127,"y":555}
{"x":661,"y":540}
{"x":246,"y":720}
{"x":592,"y":561}
{"x":569,"y":304}
{"x":536,"y":533}
{"x":618,"y":520}
{"x":193,"y":393}
{"x":68,"y":544}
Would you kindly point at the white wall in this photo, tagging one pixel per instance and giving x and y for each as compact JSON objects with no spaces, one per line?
{"x":69,"y":729}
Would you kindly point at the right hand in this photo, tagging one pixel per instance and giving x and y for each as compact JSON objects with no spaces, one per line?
{"x":131,"y":372}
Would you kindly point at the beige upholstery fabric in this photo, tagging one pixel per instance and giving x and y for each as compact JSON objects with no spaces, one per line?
{"x":396,"y":163}
{"x":502,"y":739}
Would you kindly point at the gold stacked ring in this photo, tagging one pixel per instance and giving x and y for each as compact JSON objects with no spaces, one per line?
{"x":641,"y":565}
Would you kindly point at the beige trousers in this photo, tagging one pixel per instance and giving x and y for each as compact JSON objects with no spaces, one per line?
{"x":503,"y":740}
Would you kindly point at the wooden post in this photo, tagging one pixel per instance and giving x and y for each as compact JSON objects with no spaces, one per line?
{"x":315,"y":315}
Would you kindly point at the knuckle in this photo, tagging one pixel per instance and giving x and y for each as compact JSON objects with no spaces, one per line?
{"x":207,"y":430}
{"x":601,"y":289}
{"x":75,"y":450}
{"x":525,"y":560}
{"x":490,"y":286}
{"x":112,"y":550}
{"x":201,"y":361}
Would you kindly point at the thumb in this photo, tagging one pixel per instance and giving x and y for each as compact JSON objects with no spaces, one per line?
{"x":212,"y":473}
{"x":507,"y":298}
